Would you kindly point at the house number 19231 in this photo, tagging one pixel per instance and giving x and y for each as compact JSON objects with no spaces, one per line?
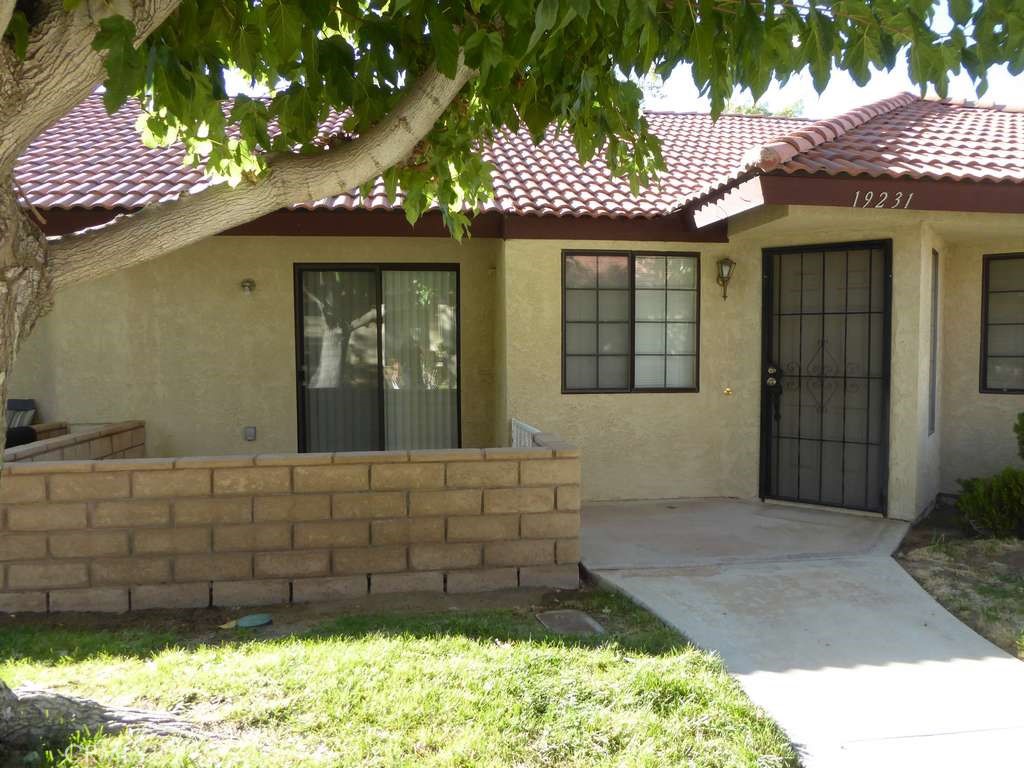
{"x":868,"y":199}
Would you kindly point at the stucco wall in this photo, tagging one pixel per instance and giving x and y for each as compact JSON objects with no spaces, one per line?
{"x":707,"y":443}
{"x":176,"y":342}
{"x":977,"y":434}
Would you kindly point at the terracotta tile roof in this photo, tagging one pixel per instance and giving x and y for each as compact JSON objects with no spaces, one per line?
{"x":901,"y":137}
{"x":91,"y":160}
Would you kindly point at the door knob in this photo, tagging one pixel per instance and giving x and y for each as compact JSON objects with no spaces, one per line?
{"x":772,"y":370}
{"x":771,"y":381}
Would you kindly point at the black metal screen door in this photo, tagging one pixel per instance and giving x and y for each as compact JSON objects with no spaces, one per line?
{"x":826,"y":375}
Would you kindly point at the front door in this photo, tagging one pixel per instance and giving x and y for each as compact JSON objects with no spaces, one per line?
{"x":825,"y":377}
{"x":377,"y":357}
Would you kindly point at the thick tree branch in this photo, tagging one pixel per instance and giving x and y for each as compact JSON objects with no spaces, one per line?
{"x":290,"y":179}
{"x":60,"y":67}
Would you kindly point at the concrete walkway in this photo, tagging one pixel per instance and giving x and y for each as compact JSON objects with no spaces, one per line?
{"x":821,"y":627}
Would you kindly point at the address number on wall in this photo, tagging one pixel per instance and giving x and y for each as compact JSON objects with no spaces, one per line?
{"x":868,"y":198}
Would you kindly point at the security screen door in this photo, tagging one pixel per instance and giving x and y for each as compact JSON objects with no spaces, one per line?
{"x":377,"y":353}
{"x":825,"y":380}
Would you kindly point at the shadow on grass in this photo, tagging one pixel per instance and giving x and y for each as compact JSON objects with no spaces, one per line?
{"x":628,"y":628}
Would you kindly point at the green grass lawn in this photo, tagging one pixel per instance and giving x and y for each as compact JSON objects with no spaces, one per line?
{"x":477,"y":688}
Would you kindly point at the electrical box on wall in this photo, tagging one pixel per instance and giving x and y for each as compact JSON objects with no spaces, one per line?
{"x":249,"y":433}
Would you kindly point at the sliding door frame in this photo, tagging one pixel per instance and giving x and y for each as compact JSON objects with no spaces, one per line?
{"x":298,"y":268}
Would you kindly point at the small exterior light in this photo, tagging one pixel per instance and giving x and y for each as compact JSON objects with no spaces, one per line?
{"x":248,"y":285}
{"x":725,"y":269}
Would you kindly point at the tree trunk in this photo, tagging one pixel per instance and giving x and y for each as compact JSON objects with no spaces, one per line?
{"x":34,"y":717}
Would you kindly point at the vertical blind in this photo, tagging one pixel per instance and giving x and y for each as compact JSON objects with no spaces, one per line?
{"x":379,"y":359}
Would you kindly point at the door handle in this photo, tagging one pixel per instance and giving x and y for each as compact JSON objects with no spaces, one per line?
{"x":771,"y":381}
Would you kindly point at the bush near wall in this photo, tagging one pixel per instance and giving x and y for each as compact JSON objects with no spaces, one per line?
{"x":231,"y":531}
{"x":994,"y":506}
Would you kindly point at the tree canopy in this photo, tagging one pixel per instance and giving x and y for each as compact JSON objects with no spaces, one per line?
{"x":571,"y":65}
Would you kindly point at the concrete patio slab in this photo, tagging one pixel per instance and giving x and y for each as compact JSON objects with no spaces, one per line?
{"x":822,"y":628}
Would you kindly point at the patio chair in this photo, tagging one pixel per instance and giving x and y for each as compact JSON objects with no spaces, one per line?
{"x":20,"y":413}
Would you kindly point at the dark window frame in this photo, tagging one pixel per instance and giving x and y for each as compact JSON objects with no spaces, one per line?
{"x":983,"y":386}
{"x":631,"y":387}
{"x":379,"y":268}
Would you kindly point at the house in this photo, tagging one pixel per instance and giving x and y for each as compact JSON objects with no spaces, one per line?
{"x":827,"y":312}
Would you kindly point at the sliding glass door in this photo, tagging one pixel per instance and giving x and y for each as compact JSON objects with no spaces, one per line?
{"x":377,"y":357}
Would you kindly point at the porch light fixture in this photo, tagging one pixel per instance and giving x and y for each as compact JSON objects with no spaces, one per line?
{"x":248,"y":285}
{"x":725,"y":268}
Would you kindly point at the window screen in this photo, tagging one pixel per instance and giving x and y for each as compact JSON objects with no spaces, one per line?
{"x":630,"y":322}
{"x":1002,"y":341}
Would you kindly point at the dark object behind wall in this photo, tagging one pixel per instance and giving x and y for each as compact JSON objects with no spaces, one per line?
{"x":20,"y":436}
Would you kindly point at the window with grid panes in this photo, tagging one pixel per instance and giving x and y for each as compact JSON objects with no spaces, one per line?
{"x":1002,"y":342}
{"x":630,"y":321}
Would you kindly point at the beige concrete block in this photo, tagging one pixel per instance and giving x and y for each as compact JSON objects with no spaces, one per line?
{"x":332,"y":533}
{"x":22,"y":546}
{"x":556,"y":472}
{"x":369,"y":560}
{"x":135,"y":452}
{"x":550,"y":525}
{"x":328,"y":589}
{"x":214,"y":462}
{"x":92,"y":485}
{"x":485,"y":474}
{"x":130,"y":571}
{"x":254,"y":536}
{"x":22,"y":602}
{"x":483,"y":580}
{"x":201,"y":511}
{"x":516,"y":454}
{"x":506,"y":501}
{"x":213,"y":567}
{"x":441,"y":557}
{"x":121,"y":441}
{"x":567,"y":551}
{"x":46,"y":517}
{"x":252,"y":480}
{"x":177,"y":482}
{"x":444,"y":503}
{"x":89,"y":544}
{"x":554,"y":576}
{"x":77,"y":451}
{"x":291,"y":507}
{"x":370,"y":457}
{"x":291,"y":564}
{"x":170,"y":541}
{"x":406,"y":477}
{"x":569,"y":497}
{"x":123,"y":462}
{"x":43,"y":467}
{"x":100,"y":448}
{"x":130,"y":514}
{"x":444,"y":455}
{"x":532,"y":552}
{"x":94,"y":600}
{"x":46,"y":575}
{"x":345,"y":477}
{"x":419,"y":581}
{"x":483,"y":528}
{"x":244,"y":593}
{"x":171,"y":596}
{"x":292,"y":459}
{"x":20,"y":490}
{"x":407,"y":531}
{"x":365,"y":505}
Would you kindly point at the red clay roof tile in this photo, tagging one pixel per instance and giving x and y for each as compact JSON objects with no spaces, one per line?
{"x":91,"y":160}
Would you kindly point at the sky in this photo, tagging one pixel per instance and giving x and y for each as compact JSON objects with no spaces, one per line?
{"x":679,"y":94}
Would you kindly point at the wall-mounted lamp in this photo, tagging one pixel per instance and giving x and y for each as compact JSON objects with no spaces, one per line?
{"x":248,"y":285}
{"x":725,"y":269}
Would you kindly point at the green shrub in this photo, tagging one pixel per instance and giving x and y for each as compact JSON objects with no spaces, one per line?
{"x":994,"y":506}
{"x":1019,"y":429}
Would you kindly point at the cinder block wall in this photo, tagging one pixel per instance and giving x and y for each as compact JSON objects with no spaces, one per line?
{"x":123,"y":440}
{"x":122,"y":535}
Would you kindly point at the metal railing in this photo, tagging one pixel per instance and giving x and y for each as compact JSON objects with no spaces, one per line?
{"x":522,"y":434}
